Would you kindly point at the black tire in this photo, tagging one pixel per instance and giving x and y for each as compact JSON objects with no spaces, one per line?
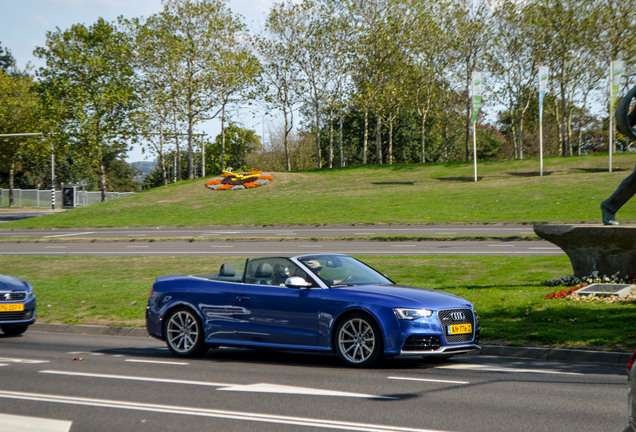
{"x":14,"y":329}
{"x":184,"y":333}
{"x":358,"y":341}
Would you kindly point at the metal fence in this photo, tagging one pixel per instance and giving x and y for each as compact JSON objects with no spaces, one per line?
{"x":41,"y":198}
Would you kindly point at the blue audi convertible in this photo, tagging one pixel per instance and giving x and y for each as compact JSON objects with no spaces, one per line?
{"x":328,"y":302}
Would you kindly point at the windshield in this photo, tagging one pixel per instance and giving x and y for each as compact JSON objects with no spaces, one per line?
{"x":337,"y":270}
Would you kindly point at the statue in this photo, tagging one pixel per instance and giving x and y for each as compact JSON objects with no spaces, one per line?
{"x":625,"y":121}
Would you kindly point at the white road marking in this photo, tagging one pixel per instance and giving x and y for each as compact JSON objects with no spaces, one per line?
{"x":23,"y":361}
{"x":158,"y":362}
{"x":256,"y":388}
{"x":487,"y":368}
{"x":69,"y":234}
{"x":204,"y":412}
{"x":136,"y":378}
{"x":15,"y":423}
{"x":283,"y":389}
{"x":427,"y":380}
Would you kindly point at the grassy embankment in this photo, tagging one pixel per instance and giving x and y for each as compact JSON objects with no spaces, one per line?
{"x":507,"y":291}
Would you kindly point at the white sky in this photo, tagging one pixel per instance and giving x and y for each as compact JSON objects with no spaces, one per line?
{"x":24,"y":23}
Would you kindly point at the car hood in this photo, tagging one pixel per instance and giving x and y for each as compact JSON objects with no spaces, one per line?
{"x":406,"y":296}
{"x":10,"y":283}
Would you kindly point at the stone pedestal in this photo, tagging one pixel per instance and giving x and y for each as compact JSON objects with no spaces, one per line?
{"x":602,"y":248}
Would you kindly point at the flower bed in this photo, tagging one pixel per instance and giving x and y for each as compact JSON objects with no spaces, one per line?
{"x":233,"y":181}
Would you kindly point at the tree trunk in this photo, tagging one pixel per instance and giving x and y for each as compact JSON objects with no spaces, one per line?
{"x":342,"y":161}
{"x":318,"y":152}
{"x":330,"y":138}
{"x":423,"y":135}
{"x":378,"y":140}
{"x":102,"y":178}
{"x":365,"y":138}
{"x":390,"y":155}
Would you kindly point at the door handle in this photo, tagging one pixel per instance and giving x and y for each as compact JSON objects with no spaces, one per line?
{"x":242,"y":297}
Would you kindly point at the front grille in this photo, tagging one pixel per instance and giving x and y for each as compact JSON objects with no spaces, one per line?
{"x":422,"y":343}
{"x":16,"y":316}
{"x":457,"y":316}
{"x":12,"y":295}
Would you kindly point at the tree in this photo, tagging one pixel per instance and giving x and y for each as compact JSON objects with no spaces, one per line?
{"x":7,"y":62}
{"x":194,"y":37}
{"x":277,"y":49}
{"x":514,"y":60}
{"x":18,"y":114}
{"x":239,"y":143}
{"x":87,"y":90}
{"x":470,"y":21}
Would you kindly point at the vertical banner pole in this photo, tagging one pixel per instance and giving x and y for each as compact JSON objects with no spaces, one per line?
{"x":476,"y":107}
{"x":543,"y":86}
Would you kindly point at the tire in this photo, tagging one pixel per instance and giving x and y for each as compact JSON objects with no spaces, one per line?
{"x":14,"y":329}
{"x":358,"y":341}
{"x":184,"y":333}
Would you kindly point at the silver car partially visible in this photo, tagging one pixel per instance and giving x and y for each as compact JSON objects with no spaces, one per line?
{"x":631,"y":393}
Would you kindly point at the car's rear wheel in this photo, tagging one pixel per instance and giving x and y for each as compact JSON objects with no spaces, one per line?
{"x":184,"y":333}
{"x":14,"y":329}
{"x":358,"y":341}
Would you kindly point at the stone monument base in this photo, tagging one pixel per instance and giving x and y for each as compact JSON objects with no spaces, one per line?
{"x":605,"y":249}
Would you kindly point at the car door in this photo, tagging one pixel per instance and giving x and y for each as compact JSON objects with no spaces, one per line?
{"x":275,"y":314}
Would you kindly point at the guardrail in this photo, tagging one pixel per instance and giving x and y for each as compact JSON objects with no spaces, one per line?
{"x":41,"y":198}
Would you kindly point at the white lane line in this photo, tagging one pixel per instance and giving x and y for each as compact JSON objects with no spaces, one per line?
{"x":204,"y":412}
{"x":69,"y":235}
{"x":283,"y":389}
{"x":254,"y":388}
{"x":487,"y":368}
{"x":16,"y":423}
{"x":158,"y":362}
{"x":136,"y":378}
{"x":139,"y":246}
{"x":427,"y":380}
{"x":20,"y":360}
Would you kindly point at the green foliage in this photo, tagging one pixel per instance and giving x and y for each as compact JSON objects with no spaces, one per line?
{"x":88,"y":93}
{"x":239,"y":144}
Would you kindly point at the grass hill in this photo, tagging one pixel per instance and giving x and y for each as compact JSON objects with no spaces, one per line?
{"x":570,"y":190}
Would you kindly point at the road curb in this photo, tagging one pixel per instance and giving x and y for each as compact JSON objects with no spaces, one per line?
{"x":557,"y":354}
{"x":90,"y":330}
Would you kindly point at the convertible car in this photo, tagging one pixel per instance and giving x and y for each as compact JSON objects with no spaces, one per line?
{"x":17,"y":305}
{"x":329,"y":303}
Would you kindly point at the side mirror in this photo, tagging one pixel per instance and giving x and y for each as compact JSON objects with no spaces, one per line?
{"x":296,"y":282}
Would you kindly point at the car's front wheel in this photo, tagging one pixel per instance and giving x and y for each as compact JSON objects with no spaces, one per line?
{"x":14,"y":329}
{"x":184,"y":333}
{"x":358,"y":341}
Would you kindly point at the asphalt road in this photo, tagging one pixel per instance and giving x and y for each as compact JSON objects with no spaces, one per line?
{"x":273,"y":231}
{"x":276,"y":247}
{"x":70,"y":382}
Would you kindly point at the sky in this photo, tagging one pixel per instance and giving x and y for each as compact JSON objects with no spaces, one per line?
{"x":24,"y":24}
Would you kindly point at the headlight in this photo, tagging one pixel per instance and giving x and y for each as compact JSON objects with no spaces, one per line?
{"x":412,"y":314}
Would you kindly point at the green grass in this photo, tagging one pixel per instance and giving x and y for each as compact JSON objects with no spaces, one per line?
{"x":506,"y":291}
{"x":507,"y":192}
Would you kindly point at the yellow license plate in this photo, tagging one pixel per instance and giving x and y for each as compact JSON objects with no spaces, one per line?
{"x":460,"y":329}
{"x":11,"y":307}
